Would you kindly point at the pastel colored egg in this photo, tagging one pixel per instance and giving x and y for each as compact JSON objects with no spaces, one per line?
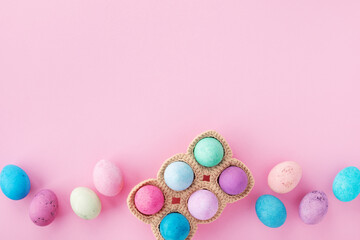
{"x":178,"y":176}
{"x":270,"y":211}
{"x":233,"y":180}
{"x":174,"y":226}
{"x":313,"y":207}
{"x":14,"y":182}
{"x":85,"y":203}
{"x":107,"y":178}
{"x":43,"y":207}
{"x":346,"y":185}
{"x":208,"y":152}
{"x":284,"y":177}
{"x":149,"y":199}
{"x":203,"y":204}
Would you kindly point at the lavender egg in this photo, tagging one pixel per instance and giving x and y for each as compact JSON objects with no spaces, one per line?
{"x":313,"y":207}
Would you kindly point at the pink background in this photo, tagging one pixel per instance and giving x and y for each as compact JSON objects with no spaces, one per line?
{"x":136,"y":81}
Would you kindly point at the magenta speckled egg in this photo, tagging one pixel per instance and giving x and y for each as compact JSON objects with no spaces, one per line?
{"x":233,"y":180}
{"x":149,"y":199}
{"x":313,"y":207}
{"x":203,"y":204}
{"x":284,"y":177}
{"x":43,"y":207}
{"x":107,"y":178}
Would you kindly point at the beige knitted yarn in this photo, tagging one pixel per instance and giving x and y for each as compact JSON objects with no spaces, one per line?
{"x":205,"y":178}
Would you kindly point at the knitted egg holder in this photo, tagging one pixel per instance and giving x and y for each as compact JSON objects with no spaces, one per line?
{"x":204,"y":178}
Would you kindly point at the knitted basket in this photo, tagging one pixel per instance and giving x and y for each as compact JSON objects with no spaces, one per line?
{"x":205,"y":178}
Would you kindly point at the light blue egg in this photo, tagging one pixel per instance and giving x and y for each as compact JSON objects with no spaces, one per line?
{"x":346,"y":185}
{"x":14,"y":182}
{"x":178,"y":176}
{"x":174,"y":226}
{"x":271,"y":211}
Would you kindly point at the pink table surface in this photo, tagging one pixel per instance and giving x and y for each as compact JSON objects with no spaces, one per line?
{"x":135,"y":81}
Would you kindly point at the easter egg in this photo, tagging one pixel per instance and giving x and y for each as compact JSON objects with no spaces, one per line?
{"x":208,"y":152}
{"x":107,"y":178}
{"x":203,"y":204}
{"x":149,"y":199}
{"x":313,"y":207}
{"x":270,"y":211}
{"x":233,"y":180}
{"x":284,"y":177}
{"x":346,"y":185}
{"x":85,"y":203}
{"x":178,"y":176}
{"x":14,"y":182}
{"x":174,"y":226}
{"x":43,"y":207}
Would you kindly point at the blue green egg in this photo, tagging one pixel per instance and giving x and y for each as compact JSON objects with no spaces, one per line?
{"x":209,"y":152}
{"x":174,"y":226}
{"x":346,"y":185}
{"x":270,"y":211}
{"x":14,"y":182}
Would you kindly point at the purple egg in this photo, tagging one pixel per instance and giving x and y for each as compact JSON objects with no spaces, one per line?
{"x":43,"y":207}
{"x":313,"y":207}
{"x":203,"y":204}
{"x":233,"y":180}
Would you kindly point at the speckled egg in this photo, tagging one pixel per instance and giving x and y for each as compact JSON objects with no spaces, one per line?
{"x":270,"y":211}
{"x":203,"y":204}
{"x":178,"y":176}
{"x":174,"y":226}
{"x":85,"y":203}
{"x":149,"y":199}
{"x":14,"y":182}
{"x":107,"y":178}
{"x":43,"y":207}
{"x":233,"y":180}
{"x":208,"y":152}
{"x":284,"y":177}
{"x":346,"y":185}
{"x":313,"y":207}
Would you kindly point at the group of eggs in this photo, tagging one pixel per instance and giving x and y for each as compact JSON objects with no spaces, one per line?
{"x":107,"y":177}
{"x":202,"y":204}
{"x":285,"y":176}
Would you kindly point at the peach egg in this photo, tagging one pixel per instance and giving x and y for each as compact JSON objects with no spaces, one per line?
{"x":284,"y":177}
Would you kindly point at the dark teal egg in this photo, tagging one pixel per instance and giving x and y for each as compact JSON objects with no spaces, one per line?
{"x":270,"y":211}
{"x":14,"y":182}
{"x":174,"y":226}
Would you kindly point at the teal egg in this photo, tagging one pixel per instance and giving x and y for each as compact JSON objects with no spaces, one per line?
{"x":270,"y":211}
{"x":178,"y":176}
{"x":174,"y":226}
{"x":209,"y":152}
{"x":14,"y":182}
{"x":346,"y":185}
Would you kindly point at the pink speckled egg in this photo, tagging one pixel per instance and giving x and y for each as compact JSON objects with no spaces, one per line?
{"x":203,"y":204}
{"x":107,"y":178}
{"x":43,"y":207}
{"x":149,"y":199}
{"x":284,"y":177}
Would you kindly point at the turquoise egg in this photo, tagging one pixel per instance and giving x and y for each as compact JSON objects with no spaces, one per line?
{"x":209,"y":152}
{"x":178,"y":176}
{"x":174,"y":226}
{"x":14,"y":182}
{"x":346,"y":185}
{"x":271,"y":211}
